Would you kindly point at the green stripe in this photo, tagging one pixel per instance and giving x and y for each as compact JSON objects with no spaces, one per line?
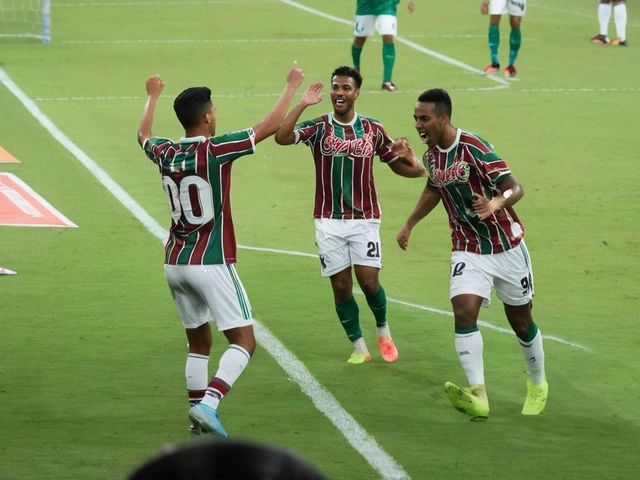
{"x":242,"y":300}
{"x":525,"y":253}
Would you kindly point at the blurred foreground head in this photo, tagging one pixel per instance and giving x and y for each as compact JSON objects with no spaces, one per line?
{"x":229,"y":460}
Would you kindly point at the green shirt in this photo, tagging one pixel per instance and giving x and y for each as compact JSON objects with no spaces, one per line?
{"x":377,"y":7}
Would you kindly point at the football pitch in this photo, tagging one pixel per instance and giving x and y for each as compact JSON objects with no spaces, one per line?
{"x":92,"y":351}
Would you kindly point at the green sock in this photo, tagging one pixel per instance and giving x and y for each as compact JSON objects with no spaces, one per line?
{"x":494,"y":42}
{"x":378,"y":305}
{"x":388,"y":60}
{"x":355,"y":54}
{"x":531,"y":333}
{"x":514,"y":45}
{"x":349,"y":315}
{"x":465,"y":331}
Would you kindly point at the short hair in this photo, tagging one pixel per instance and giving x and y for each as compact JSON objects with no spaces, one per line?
{"x":191,"y":104}
{"x":440,"y":98}
{"x":348,"y":72}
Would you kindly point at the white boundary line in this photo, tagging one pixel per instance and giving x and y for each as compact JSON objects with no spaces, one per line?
{"x":357,"y":436}
{"x":409,"y":43}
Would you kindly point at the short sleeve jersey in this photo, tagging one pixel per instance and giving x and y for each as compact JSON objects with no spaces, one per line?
{"x":471,"y":166}
{"x":196,"y":176}
{"x":343,"y":156}
{"x":377,"y":7}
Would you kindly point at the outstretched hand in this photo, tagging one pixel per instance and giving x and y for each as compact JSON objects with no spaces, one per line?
{"x":312,"y":94}
{"x":155,"y":85}
{"x":295,"y":76}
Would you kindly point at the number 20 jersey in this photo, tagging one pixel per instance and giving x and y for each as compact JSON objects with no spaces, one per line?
{"x":196,"y":177}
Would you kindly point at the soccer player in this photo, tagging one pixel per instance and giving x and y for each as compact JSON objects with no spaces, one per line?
{"x":478,"y":191}
{"x":379,"y":15}
{"x":200,"y":252}
{"x":346,"y":210}
{"x":620,"y":18}
{"x":495,"y":9}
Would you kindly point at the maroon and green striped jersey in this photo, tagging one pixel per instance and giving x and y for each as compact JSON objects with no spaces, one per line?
{"x":196,"y":176}
{"x":377,"y":7}
{"x":343,"y":156}
{"x":471,"y":166}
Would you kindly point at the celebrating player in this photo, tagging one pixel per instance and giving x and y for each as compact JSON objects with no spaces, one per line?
{"x":201,"y":250}
{"x":478,"y":192}
{"x":346,"y":209}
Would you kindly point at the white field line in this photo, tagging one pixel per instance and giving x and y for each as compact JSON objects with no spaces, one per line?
{"x":409,"y":43}
{"x":357,"y":436}
{"x":482,"y":323}
{"x":205,"y":40}
{"x":246,"y":95}
{"x":156,"y":3}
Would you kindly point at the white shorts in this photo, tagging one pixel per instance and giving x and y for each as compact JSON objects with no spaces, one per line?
{"x":209,"y":292}
{"x":517,"y":8}
{"x":342,"y":243}
{"x":383,"y":24}
{"x":508,"y":272}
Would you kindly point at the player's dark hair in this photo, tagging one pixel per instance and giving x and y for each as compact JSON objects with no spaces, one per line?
{"x":440,"y":98}
{"x":191,"y":104}
{"x":348,"y":72}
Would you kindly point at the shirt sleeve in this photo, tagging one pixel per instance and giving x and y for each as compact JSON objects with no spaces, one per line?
{"x":230,"y":146}
{"x":494,"y":167}
{"x":383,"y":150}
{"x":154,"y":147}
{"x":306,"y":131}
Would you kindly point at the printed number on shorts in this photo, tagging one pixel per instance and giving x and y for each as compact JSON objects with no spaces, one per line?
{"x":527,"y":284}
{"x":373,"y":250}
{"x":192,"y":198}
{"x":457,"y":269}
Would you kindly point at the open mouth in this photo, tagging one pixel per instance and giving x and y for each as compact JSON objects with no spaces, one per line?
{"x":339,"y":101}
{"x":423,"y":136}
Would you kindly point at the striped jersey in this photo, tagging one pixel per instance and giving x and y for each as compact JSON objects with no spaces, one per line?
{"x":471,"y":166}
{"x":196,"y":177}
{"x":343,"y":156}
{"x":377,"y":7}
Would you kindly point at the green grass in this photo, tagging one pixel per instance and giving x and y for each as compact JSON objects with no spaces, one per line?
{"x":92,"y":351}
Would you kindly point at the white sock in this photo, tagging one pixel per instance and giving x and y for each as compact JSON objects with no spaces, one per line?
{"x":232,"y":364}
{"x":534,"y":356}
{"x":383,"y":331}
{"x":604,"y":15}
{"x":197,"y":373}
{"x":469,"y":347}
{"x":620,"y":17}
{"x":360,"y":345}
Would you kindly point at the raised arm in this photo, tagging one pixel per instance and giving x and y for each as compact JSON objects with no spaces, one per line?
{"x":428,"y":200}
{"x":155,"y":85}
{"x":311,"y":96}
{"x":274,"y":118}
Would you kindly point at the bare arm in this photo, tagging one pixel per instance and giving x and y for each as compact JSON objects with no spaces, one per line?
{"x":311,"y":96}
{"x":155,"y":85}
{"x":274,"y":118}
{"x":512,"y":192}
{"x":428,"y":200}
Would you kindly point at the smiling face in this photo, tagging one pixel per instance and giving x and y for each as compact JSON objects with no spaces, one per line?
{"x":430,"y":126}
{"x":344,"y":93}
